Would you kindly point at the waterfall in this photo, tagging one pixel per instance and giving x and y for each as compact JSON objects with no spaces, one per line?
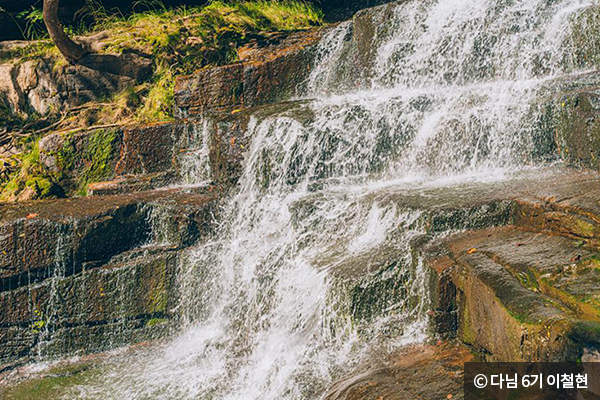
{"x":311,"y":273}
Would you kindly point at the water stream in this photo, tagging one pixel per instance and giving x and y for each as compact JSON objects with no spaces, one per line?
{"x":309,"y":274}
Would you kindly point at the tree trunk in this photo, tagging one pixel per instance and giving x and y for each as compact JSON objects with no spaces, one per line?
{"x":69,"y":49}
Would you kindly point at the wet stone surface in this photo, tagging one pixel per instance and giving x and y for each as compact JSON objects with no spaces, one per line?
{"x":418,"y":372}
{"x":81,"y":275}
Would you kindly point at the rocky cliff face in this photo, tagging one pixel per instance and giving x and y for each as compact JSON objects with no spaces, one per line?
{"x":78,"y":272}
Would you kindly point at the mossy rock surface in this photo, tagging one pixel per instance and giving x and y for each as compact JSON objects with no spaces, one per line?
{"x":54,"y":383}
{"x":523,"y":295}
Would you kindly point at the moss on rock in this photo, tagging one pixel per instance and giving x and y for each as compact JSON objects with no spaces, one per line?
{"x":52,"y":384}
{"x":85,"y":159}
{"x":31,"y":180}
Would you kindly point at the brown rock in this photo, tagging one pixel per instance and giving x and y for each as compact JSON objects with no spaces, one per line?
{"x":74,"y":272}
{"x":269,"y":72}
{"x":418,"y":372}
{"x":27,"y":194}
{"x":508,"y":306}
{"x":36,"y":85}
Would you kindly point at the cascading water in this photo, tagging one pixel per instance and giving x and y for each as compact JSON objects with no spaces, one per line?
{"x":309,"y":274}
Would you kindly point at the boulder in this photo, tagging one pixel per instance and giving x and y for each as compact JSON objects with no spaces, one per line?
{"x":527,"y":291}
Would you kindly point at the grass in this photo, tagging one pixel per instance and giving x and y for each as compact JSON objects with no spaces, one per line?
{"x":186,"y":39}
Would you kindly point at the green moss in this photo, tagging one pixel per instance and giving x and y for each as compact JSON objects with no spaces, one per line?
{"x":586,"y":229}
{"x":593,"y":262}
{"x":156,"y":322}
{"x":39,"y":322}
{"x":467,"y":334}
{"x":41,"y":185}
{"x":528,"y":280}
{"x":158,"y":296}
{"x":100,"y":152}
{"x":94,"y":158}
{"x":53,"y":385}
{"x":30,"y":175}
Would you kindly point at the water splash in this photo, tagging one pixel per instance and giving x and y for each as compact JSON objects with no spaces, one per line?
{"x":194,"y":163}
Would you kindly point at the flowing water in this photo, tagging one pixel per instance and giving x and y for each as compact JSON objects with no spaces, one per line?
{"x":310,"y":274}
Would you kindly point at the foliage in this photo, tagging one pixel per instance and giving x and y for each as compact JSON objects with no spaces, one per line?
{"x":189,"y":38}
{"x":34,"y":50}
{"x":34,"y":23}
{"x":31,"y":174}
{"x":158,"y":104}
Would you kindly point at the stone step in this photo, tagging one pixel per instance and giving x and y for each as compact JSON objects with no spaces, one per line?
{"x":82,"y":275}
{"x":416,"y":372}
{"x":569,"y":208}
{"x":367,"y":283}
{"x":150,"y":153}
{"x":38,"y":237}
{"x":520,"y":295}
{"x":268,"y":73}
{"x":95,"y":310}
{"x":132,"y":184}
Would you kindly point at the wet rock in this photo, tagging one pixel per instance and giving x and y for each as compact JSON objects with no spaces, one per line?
{"x":132,"y":184}
{"x":37,"y":237}
{"x":443,"y":294}
{"x":570,"y":208}
{"x":118,"y":160}
{"x":269,"y":71}
{"x":526,"y":291}
{"x":578,"y":128}
{"x":418,"y":372}
{"x":511,"y":298}
{"x":76,"y":272}
{"x":153,"y":149}
{"x":78,"y":313}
